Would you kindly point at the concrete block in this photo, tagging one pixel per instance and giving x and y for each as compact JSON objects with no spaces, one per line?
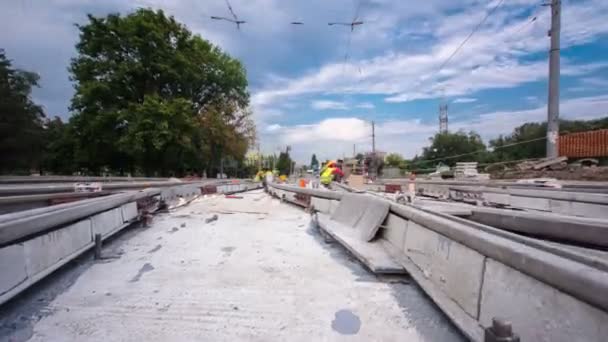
{"x":579,"y":209}
{"x":332,"y":206}
{"x":456,"y":269}
{"x":351,"y":209}
{"x":12,"y":267}
{"x":106,"y":222}
{"x":321,"y":204}
{"x":537,"y":311}
{"x":491,"y":197}
{"x":395,"y":231}
{"x":45,"y":250}
{"x":129,"y":212}
{"x":373,"y":254}
{"x":530,"y":203}
{"x":375,"y":213}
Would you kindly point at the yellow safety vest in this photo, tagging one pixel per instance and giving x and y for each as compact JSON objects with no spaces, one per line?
{"x":327,"y":176}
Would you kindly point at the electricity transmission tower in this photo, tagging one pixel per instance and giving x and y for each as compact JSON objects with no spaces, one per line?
{"x":443,"y":118}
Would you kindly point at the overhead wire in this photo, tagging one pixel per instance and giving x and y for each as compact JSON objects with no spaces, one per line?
{"x":475,"y":29}
{"x":235,"y":19}
{"x":231,"y":10}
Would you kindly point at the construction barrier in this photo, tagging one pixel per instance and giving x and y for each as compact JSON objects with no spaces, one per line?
{"x":584,"y":144}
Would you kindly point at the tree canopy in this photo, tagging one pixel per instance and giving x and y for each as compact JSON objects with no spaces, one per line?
{"x":450,"y":148}
{"x":394,"y":160}
{"x":528,"y":140}
{"x":153,"y":97}
{"x":21,"y":120}
{"x":314,"y":163}
{"x":284,"y":163}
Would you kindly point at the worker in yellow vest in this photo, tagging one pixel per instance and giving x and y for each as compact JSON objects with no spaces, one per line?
{"x":329,"y":172}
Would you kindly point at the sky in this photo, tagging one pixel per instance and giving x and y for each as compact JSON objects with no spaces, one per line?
{"x":317,"y":87}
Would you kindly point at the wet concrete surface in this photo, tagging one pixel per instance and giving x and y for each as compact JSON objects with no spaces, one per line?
{"x":431,"y":322}
{"x":278,"y":279}
{"x":346,"y":322}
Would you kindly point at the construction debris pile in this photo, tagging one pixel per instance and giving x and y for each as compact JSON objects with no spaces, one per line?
{"x":560,"y":168}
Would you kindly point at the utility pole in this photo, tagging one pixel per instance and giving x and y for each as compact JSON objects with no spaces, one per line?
{"x":259,"y":159}
{"x":373,"y":168}
{"x":553,"y":103}
{"x":373,"y":138}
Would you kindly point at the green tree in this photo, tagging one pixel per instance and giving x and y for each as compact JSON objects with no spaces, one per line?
{"x":152,"y":96}
{"x":394,"y":160}
{"x":360,"y":157}
{"x":284,"y":163}
{"x":21,"y":120}
{"x":314,"y":163}
{"x":450,"y":148}
{"x":59,"y":147}
{"x":528,"y":140}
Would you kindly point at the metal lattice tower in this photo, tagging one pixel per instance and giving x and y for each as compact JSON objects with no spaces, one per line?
{"x":443,"y":118}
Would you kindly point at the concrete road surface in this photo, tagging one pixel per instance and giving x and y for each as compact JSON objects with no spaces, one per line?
{"x":259,"y":272}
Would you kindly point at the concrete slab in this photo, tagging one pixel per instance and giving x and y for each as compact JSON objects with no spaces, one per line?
{"x":538,"y":312}
{"x":46,"y":250}
{"x":236,"y":279}
{"x":468,"y":325}
{"x":375,"y":213}
{"x":351,"y":209}
{"x":497,"y":198}
{"x":395,"y":231}
{"x":129,"y":212}
{"x":320,"y":204}
{"x":579,"y":209}
{"x":456,"y":269}
{"x":371,"y":254}
{"x":12,"y":268}
{"x":107,"y":222}
{"x":532,"y":203}
{"x":333,"y":205}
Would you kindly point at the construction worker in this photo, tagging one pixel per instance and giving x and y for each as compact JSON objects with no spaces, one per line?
{"x":330,"y":170}
{"x":259,"y":176}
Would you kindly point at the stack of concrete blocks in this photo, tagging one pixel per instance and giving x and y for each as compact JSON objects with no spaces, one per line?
{"x":468,"y":170}
{"x":24,"y":263}
{"x":237,"y":187}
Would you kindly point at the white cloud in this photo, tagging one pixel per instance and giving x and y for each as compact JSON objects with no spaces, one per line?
{"x":490,"y":60}
{"x":532,"y":98}
{"x":595,"y":82}
{"x":465,"y":100}
{"x":365,"y":105}
{"x":327,"y":104}
{"x":273,"y":128}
